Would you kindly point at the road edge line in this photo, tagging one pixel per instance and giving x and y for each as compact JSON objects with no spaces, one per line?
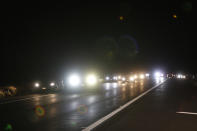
{"x":103,"y":119}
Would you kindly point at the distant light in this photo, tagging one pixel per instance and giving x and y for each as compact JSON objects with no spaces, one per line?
{"x":174,"y":16}
{"x":115,"y":77}
{"x":147,"y":75}
{"x":52,"y":84}
{"x":121,"y":18}
{"x":161,"y":75}
{"x":135,"y":76}
{"x":91,"y":79}
{"x":123,"y":78}
{"x":131,"y":78}
{"x":179,"y":76}
{"x":74,"y":80}
{"x":119,"y":77}
{"x":141,"y":76}
{"x":37,"y":85}
{"x":158,"y":74}
{"x":107,"y":78}
{"x":44,"y":88}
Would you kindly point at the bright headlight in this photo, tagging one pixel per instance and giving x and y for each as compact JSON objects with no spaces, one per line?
{"x":52,"y":84}
{"x":158,"y":74}
{"x":135,"y":76}
{"x":131,"y":78}
{"x":183,"y":76}
{"x":123,"y":78}
{"x":107,"y":78}
{"x":115,"y":77}
{"x":37,"y":84}
{"x":141,"y":76}
{"x":91,"y":79}
{"x":179,"y":76}
{"x":119,"y":77}
{"x":147,"y":75}
{"x":74,"y":80}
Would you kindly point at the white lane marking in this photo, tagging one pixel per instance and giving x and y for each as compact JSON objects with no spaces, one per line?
{"x":103,"y":119}
{"x":11,"y":101}
{"x":189,"y":113}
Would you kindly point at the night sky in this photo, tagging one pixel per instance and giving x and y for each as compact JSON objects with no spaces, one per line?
{"x":43,"y":40}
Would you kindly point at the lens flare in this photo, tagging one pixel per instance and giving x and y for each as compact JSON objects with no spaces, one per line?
{"x":82,"y":109}
{"x":8,"y":127}
{"x":39,"y":111}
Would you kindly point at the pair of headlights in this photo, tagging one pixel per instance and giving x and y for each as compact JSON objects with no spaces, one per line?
{"x":37,"y":84}
{"x":75,"y":80}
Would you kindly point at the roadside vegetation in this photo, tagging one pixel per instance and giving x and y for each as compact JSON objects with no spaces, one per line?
{"x":8,"y":91}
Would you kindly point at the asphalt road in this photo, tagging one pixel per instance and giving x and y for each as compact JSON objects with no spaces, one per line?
{"x":172,"y":106}
{"x":63,"y":111}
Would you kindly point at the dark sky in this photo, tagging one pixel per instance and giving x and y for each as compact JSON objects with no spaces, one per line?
{"x":44,"y":39}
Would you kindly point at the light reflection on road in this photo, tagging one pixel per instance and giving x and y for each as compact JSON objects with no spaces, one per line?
{"x":75,"y":109}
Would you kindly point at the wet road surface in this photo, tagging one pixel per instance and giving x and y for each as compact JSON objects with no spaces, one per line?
{"x":63,"y":111}
{"x":172,"y":106}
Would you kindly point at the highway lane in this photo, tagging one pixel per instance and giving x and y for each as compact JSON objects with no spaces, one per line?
{"x":63,"y":111}
{"x":170,"y":107}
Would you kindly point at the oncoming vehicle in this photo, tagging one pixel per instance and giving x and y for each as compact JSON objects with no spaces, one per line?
{"x":41,"y":86}
{"x":81,"y":81}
